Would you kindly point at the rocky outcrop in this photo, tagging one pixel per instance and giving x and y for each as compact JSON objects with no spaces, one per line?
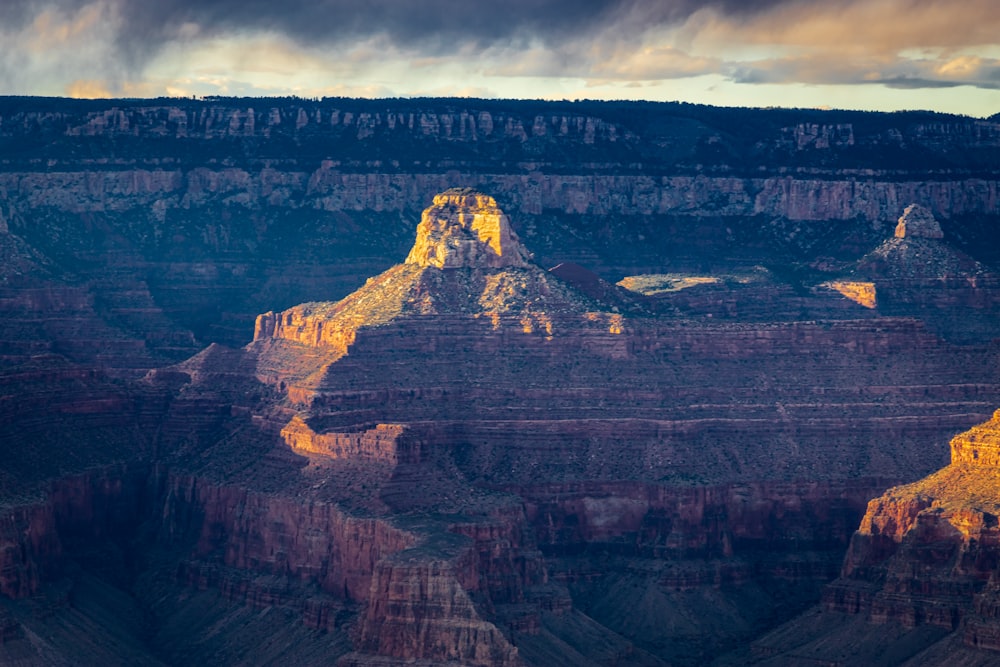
{"x":928,"y":552}
{"x":465,"y":228}
{"x":918,"y":222}
{"x":918,"y":583}
{"x":918,"y":256}
{"x":420,"y":611}
{"x":862,"y":293}
{"x":920,"y":272}
{"x":979,"y":446}
{"x":381,"y":443}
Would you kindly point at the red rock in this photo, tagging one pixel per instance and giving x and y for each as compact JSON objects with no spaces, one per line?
{"x":927,"y":553}
{"x":419,"y":610}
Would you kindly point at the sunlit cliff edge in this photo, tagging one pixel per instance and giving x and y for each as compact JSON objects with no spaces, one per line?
{"x":921,"y":571}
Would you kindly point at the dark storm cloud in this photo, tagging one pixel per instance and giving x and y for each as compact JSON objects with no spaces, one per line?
{"x":435,"y":25}
{"x":410,"y":22}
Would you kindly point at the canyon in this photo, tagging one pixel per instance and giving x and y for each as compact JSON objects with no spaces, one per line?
{"x":921,"y":569}
{"x":294,"y":384}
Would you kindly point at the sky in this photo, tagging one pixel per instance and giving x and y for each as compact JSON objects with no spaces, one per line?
{"x":849,"y":54}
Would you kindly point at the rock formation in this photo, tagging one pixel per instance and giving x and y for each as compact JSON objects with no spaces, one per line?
{"x":918,"y":254}
{"x":466,"y":268}
{"x":918,"y":222}
{"x":934,"y":540}
{"x":205,"y":213}
{"x":923,"y":565}
{"x":467,"y":458}
{"x":440,"y":387}
{"x":918,"y":272}
{"x":465,"y":228}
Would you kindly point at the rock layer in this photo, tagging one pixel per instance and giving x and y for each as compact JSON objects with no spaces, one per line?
{"x":926,"y":554}
{"x":200,"y":203}
{"x":979,"y":446}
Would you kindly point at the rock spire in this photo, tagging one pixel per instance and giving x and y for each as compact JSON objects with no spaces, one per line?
{"x":466,"y":228}
{"x":918,"y":222}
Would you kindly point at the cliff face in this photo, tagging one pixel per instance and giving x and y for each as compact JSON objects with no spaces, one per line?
{"x":94,"y":507}
{"x":934,"y":543}
{"x":922,"y":565}
{"x":246,"y":531}
{"x":419,"y":609}
{"x":170,"y":193}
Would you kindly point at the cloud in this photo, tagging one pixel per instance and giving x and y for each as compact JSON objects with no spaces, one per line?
{"x":895,"y":43}
{"x":437,"y":22}
{"x":401,"y":47}
{"x":825,"y":67}
{"x":862,"y":26}
{"x":431,"y":26}
{"x":61,"y":41}
{"x":913,"y":82}
{"x":652,"y":63}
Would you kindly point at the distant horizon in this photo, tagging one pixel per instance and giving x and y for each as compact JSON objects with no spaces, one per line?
{"x":499,"y":100}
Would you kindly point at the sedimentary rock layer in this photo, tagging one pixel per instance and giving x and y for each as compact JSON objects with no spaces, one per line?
{"x":926,"y":554}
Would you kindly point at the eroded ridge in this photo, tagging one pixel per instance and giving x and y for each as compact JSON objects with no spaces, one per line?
{"x":467,"y":275}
